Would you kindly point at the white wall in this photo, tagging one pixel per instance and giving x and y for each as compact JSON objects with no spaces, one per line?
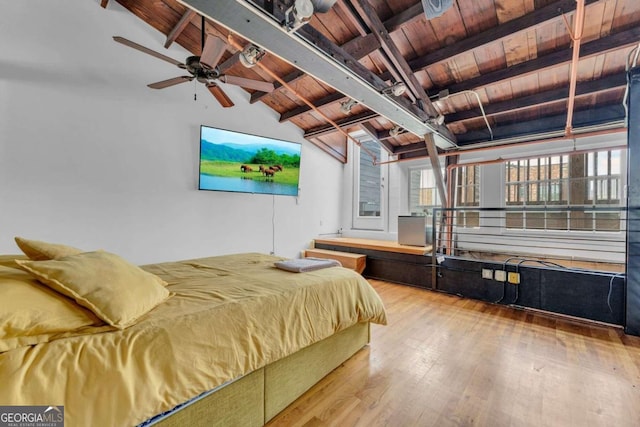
{"x":91,"y":157}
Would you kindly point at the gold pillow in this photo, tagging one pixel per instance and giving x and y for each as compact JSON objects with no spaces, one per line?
{"x":10,"y":260}
{"x":115,"y":290}
{"x":41,"y":251}
{"x":31,"y":313}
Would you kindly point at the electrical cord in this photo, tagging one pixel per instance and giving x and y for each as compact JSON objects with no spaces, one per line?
{"x":273,"y":225}
{"x":611,"y":289}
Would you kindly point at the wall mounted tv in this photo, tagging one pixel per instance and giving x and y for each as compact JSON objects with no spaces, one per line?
{"x":240,"y":162}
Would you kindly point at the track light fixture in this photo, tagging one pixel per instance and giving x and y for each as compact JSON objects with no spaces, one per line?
{"x":346,"y":106}
{"x":395,"y":89}
{"x":395,"y":131}
{"x":439,"y":120}
{"x":301,"y":12}
{"x":251,"y":55}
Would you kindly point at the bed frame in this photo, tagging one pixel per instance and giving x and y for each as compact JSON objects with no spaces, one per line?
{"x":256,"y":398}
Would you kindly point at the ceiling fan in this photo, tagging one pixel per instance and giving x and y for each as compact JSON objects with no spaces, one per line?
{"x":203,"y":68}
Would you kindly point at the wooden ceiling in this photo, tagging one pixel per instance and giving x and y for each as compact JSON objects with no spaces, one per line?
{"x":511,"y":58}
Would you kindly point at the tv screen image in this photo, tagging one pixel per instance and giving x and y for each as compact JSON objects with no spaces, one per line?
{"x":240,"y":162}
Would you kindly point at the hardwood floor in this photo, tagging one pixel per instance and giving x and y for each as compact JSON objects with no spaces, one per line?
{"x":448,"y":361}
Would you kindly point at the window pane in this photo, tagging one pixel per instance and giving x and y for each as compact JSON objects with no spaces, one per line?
{"x":603,"y":163}
{"x":608,"y":221}
{"x":515,"y":220}
{"x":581,"y":221}
{"x":615,"y":162}
{"x":535,"y":220}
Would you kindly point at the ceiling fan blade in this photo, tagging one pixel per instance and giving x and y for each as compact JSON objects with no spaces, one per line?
{"x":219,"y":94}
{"x":170,"y":82}
{"x":247,"y":83}
{"x":147,"y":50}
{"x":212,"y":51}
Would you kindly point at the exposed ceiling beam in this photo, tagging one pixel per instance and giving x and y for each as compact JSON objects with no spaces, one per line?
{"x":361,"y":46}
{"x":358,"y":48}
{"x":587,"y":117}
{"x":591,"y":117}
{"x":531,"y":20}
{"x":329,"y":99}
{"x":370,"y":17}
{"x":179,"y":27}
{"x":612,"y":82}
{"x":386,"y":134}
{"x":355,"y":50}
{"x":584,"y":88}
{"x":327,"y":148}
{"x":405,"y":17}
{"x":256,"y":26}
{"x":373,"y":133}
{"x":344,"y":123}
{"x":596,"y":47}
{"x":350,"y":15}
{"x":104,"y":3}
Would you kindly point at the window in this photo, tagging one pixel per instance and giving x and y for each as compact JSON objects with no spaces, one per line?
{"x":580,"y":181}
{"x":369,"y":201}
{"x":370,"y":181}
{"x":538,"y":181}
{"x":423,"y":193}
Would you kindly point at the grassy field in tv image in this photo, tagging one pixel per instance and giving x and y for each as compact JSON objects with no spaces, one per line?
{"x":288,"y":176}
{"x":232,"y":161}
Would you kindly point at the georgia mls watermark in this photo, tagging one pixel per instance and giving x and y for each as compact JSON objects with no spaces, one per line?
{"x":31,"y":416}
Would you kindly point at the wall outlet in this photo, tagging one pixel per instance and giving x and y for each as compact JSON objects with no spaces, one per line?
{"x":500,"y":275}
{"x":487,"y":273}
{"x":514,"y":278}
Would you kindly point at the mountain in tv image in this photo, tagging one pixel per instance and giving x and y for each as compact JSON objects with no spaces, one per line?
{"x":246,"y":165}
{"x":224,"y":152}
{"x":254,"y":153}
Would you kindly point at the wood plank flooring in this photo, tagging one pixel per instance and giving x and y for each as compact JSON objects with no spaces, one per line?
{"x":448,"y":361}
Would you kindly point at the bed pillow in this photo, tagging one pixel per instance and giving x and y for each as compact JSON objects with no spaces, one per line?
{"x":41,"y":251}
{"x":10,"y":260}
{"x":31,"y":313}
{"x":113,"y":289}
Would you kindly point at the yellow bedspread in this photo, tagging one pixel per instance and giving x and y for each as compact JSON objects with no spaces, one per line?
{"x":230,"y":315}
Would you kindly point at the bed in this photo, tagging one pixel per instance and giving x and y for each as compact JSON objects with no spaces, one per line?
{"x":235,"y":342}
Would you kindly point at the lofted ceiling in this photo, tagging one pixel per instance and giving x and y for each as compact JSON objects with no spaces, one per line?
{"x":484,"y":72}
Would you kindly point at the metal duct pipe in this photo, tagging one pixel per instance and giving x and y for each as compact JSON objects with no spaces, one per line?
{"x":576,"y":36}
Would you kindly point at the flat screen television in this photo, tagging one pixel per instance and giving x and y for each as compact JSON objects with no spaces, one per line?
{"x":240,"y":162}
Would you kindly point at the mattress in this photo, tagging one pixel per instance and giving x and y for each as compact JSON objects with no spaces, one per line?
{"x":230,"y":315}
